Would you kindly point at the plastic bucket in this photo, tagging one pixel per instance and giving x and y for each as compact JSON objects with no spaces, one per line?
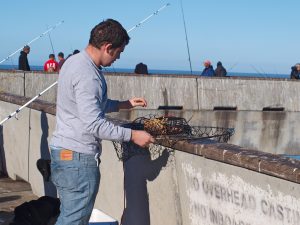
{"x":100,"y":218}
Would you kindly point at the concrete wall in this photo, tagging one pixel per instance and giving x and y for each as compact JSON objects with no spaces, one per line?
{"x":37,"y":82}
{"x":12,"y":82}
{"x":248,"y":94}
{"x":274,"y":132}
{"x":193,"y":190}
{"x":171,"y":187}
{"x":16,"y":142}
{"x":28,"y":84}
{"x":25,"y":140}
{"x":216,"y":193}
{"x":157,"y":90}
{"x":191,"y":92}
{"x":203,"y":93}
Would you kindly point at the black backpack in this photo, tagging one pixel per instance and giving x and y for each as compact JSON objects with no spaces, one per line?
{"x":37,"y":212}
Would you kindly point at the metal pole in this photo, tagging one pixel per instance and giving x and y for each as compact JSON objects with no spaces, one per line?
{"x":34,"y":98}
{"x":36,"y":38}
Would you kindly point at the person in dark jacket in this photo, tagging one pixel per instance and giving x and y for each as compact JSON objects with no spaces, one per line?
{"x":220,"y":71}
{"x":23,"y":61}
{"x":141,"y":68}
{"x":208,"y":70}
{"x":61,"y":59}
{"x":295,"y":73}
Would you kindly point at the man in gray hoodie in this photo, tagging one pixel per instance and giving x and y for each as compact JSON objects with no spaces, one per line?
{"x":81,"y":124}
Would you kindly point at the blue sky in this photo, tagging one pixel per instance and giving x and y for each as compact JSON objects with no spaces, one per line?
{"x":246,"y":35}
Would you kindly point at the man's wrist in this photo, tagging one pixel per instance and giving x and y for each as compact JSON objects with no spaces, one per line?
{"x":125,"y":105}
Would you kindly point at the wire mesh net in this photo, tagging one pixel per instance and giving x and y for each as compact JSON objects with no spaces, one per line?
{"x":172,"y":129}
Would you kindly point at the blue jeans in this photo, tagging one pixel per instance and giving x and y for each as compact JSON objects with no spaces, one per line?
{"x":76,"y":177}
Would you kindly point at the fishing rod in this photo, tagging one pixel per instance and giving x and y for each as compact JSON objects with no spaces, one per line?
{"x":36,"y":38}
{"x":147,"y":18}
{"x":234,"y":65}
{"x":52,"y":85}
{"x":26,"y":104}
{"x":144,"y":20}
{"x":264,"y":73}
{"x":256,"y":70}
{"x":186,"y":37}
{"x":51,"y":43}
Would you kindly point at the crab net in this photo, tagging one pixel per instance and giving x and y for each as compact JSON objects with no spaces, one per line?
{"x":168,"y":128}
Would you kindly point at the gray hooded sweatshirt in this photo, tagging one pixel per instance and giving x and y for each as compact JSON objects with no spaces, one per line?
{"x":81,"y":106}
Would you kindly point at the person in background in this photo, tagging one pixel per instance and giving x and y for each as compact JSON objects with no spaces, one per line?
{"x":61,"y":59}
{"x":208,"y":70}
{"x":51,"y":65}
{"x":76,"y":51}
{"x":141,"y":68}
{"x":23,"y":61}
{"x":220,"y":71}
{"x":81,"y":123}
{"x":295,"y":73}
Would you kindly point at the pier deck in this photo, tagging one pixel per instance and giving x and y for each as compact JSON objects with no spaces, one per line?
{"x":12,"y":194}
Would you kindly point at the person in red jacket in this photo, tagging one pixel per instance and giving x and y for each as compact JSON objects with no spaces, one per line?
{"x":51,"y":65}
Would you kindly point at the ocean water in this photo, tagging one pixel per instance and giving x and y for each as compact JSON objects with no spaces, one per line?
{"x":153,"y":71}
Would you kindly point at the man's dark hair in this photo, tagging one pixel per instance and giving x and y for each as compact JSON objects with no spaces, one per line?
{"x":61,"y":54}
{"x":51,"y":56}
{"x":109,"y":31}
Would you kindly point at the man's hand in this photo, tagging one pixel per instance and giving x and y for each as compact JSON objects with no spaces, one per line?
{"x":134,"y":102}
{"x":141,"y":138}
{"x":138,"y":102}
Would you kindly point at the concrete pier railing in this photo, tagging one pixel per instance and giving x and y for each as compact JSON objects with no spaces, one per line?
{"x":189,"y":92}
{"x":269,"y":131}
{"x":201,"y":182}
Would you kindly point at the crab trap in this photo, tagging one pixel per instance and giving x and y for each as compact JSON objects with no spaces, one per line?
{"x":169,"y":129}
